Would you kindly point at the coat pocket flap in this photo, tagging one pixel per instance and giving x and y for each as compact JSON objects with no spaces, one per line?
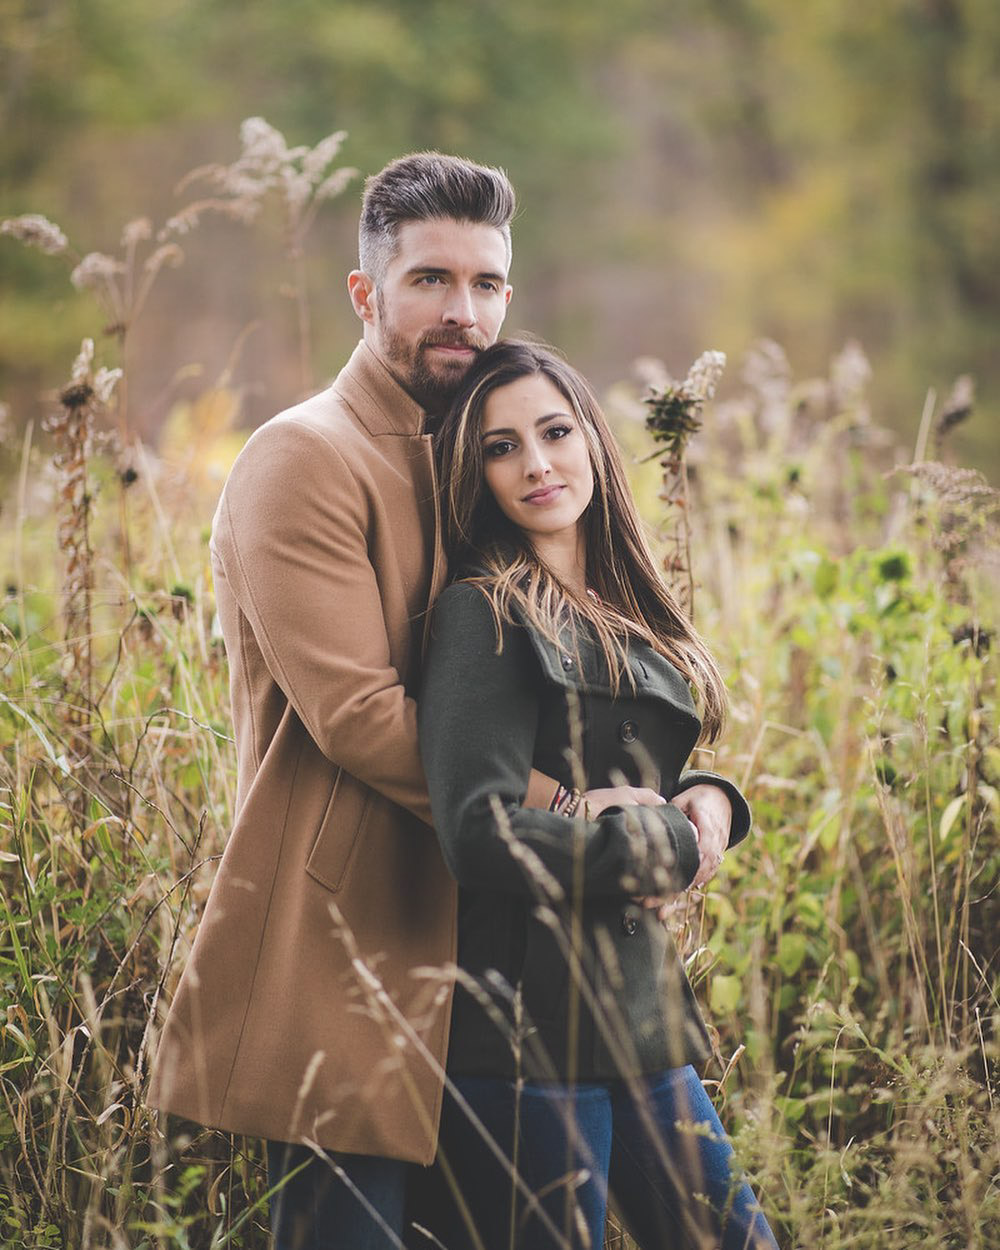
{"x":339,"y":832}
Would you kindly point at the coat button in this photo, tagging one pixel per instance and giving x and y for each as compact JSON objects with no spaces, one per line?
{"x":567,"y":662}
{"x":630,"y":924}
{"x":628,"y":731}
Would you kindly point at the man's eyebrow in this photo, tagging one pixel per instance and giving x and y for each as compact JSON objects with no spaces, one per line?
{"x":442,"y":272}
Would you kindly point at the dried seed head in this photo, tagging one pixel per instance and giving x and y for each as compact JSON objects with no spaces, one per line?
{"x":703,"y":376}
{"x":105,"y":381}
{"x":95,"y":271}
{"x":169,"y":254}
{"x":266,"y":163}
{"x":83,"y":362}
{"x":955,"y":486}
{"x":34,"y":230}
{"x":76,"y":395}
{"x":957,"y":408}
{"x":263,"y":143}
{"x":315,"y":161}
{"x":137,"y":231}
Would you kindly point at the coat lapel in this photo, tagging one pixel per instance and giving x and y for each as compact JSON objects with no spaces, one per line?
{"x":653,"y":675}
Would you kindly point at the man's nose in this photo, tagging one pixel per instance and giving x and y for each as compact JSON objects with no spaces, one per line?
{"x":459,"y":309}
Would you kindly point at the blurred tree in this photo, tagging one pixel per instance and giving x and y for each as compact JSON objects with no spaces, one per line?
{"x":690,"y":174}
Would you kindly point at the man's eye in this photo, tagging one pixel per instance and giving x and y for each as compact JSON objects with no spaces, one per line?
{"x":430,"y":279}
{"x":486,"y":285}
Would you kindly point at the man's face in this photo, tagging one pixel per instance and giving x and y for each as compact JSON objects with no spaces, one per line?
{"x":442,"y":299}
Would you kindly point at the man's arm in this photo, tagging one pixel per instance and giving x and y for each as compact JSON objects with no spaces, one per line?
{"x":291,"y":534}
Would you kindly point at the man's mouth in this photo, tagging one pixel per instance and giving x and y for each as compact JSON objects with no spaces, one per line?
{"x":459,"y":348}
{"x":453,"y":349}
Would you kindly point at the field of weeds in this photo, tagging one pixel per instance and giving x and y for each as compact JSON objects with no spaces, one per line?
{"x":846,"y":954}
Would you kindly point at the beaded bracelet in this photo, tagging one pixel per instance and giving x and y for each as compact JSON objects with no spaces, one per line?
{"x":567,"y":803}
{"x":573,"y":802}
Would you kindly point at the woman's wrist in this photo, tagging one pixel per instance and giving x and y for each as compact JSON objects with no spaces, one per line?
{"x":569,"y":802}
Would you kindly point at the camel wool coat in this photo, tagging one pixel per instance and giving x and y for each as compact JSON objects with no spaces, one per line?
{"x":302,"y":1012}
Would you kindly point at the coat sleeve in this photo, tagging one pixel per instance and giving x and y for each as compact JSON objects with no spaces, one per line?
{"x":478,"y":717}
{"x":291,"y":534}
{"x":742,"y":818}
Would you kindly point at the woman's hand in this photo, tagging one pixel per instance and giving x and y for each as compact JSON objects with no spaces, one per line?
{"x":709,"y":810}
{"x":621,"y":796}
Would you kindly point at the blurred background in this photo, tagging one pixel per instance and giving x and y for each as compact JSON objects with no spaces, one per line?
{"x":691,"y":174}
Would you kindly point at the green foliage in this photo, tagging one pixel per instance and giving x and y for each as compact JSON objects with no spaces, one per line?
{"x":855,"y":931}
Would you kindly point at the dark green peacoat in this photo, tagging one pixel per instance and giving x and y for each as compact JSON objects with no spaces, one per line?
{"x":539,"y":892}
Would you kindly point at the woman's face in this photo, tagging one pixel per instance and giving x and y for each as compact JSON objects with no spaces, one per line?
{"x":536,"y":459}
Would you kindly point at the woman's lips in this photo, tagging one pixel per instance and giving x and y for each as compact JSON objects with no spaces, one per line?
{"x":545,"y":495}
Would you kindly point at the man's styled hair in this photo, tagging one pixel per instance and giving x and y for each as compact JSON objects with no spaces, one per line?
{"x":425,"y":186}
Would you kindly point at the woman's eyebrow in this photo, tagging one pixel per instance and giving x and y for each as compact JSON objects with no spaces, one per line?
{"x":551,"y":416}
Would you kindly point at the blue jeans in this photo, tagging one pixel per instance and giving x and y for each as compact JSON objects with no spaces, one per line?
{"x":658,"y":1148}
{"x":359,"y":1207}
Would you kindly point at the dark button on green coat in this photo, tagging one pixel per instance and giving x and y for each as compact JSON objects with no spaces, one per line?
{"x":540,"y":893}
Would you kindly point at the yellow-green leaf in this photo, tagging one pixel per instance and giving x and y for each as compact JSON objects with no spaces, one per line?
{"x":726,"y":993}
{"x":950,"y":815}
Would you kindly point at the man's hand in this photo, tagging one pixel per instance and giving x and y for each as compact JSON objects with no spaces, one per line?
{"x":709,"y":810}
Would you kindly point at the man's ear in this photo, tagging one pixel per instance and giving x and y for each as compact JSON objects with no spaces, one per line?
{"x":362,"y":291}
{"x":508,"y":291}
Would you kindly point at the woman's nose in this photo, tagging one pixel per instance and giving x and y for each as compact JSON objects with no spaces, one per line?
{"x":536,"y":461}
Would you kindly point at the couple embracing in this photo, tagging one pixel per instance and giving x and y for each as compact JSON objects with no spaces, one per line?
{"x":463,"y":703}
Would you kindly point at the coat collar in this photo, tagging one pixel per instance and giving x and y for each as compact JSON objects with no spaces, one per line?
{"x":376,"y":398}
{"x":584,"y":669}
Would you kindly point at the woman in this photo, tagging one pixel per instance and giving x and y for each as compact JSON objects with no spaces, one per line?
{"x":559,"y":648}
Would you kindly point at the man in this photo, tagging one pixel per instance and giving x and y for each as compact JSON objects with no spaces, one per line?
{"x":299,"y":1018}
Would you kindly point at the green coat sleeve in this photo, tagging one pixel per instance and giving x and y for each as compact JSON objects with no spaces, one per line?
{"x":478,"y":717}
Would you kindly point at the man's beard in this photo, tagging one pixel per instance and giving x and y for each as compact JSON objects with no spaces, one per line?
{"x":432,"y":384}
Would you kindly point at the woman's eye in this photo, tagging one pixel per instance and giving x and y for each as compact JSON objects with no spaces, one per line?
{"x":558,"y":431}
{"x":500,"y":448}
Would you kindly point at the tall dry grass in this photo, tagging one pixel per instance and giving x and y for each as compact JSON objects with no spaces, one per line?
{"x":846,"y":954}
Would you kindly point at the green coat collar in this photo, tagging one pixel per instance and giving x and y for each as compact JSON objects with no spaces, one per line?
{"x":584,"y":669}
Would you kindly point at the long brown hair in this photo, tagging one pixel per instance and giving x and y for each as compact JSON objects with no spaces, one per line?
{"x":631,"y":601}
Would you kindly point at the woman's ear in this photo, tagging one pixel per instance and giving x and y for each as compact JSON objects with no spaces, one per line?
{"x":362,"y":292}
